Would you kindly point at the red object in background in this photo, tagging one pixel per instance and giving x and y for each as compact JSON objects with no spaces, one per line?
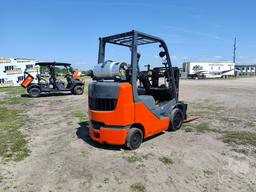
{"x":26,"y":82}
{"x":76,"y":74}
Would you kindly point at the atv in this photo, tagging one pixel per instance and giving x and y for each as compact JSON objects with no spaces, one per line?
{"x":53,"y":84}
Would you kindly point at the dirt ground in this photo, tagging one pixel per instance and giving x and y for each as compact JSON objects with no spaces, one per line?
{"x":63,"y":158}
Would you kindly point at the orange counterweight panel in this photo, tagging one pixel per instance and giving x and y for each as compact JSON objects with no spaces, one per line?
{"x":152,"y":125}
{"x":108,"y":135}
{"x":123,"y":114}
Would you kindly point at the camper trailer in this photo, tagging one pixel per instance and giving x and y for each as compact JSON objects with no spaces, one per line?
{"x":202,"y":70}
{"x":11,"y":70}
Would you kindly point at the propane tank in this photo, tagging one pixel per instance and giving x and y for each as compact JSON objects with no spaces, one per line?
{"x":110,"y":70}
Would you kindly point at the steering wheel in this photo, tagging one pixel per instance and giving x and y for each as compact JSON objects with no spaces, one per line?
{"x":144,"y":78}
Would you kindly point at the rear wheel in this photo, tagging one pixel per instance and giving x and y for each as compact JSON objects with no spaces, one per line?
{"x":176,"y":119}
{"x":34,"y":92}
{"x":78,"y":90}
{"x":134,"y":138}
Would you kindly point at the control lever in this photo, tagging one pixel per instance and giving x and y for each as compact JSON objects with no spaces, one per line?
{"x":148,"y":66}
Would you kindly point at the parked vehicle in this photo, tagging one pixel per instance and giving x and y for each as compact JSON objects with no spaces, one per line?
{"x":202,"y":70}
{"x":127,"y":105}
{"x":53,"y":85}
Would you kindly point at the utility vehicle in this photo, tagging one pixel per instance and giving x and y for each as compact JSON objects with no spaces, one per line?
{"x":54,"y":84}
{"x":128,"y":105}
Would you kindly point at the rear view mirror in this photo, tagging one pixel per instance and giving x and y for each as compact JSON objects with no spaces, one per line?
{"x":162,"y":54}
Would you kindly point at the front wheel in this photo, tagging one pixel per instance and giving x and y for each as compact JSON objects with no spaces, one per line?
{"x":176,"y":119}
{"x":34,"y":92}
{"x":134,"y":138}
{"x":78,"y":90}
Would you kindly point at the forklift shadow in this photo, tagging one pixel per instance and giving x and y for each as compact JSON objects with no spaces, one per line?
{"x":83,"y":133}
{"x":47,"y":95}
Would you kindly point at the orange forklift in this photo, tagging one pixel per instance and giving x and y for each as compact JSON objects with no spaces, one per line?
{"x":128,"y":105}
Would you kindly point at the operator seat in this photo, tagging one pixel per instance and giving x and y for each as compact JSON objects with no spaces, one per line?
{"x":143,"y":77}
{"x":69,"y":80}
{"x":146,"y":98}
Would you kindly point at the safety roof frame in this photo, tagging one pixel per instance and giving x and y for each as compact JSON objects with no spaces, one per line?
{"x":52,"y":63}
{"x":133,"y":39}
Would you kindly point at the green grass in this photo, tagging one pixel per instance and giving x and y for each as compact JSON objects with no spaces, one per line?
{"x":1,"y":178}
{"x":240,"y":138}
{"x":249,"y":124}
{"x":229,"y":137}
{"x":14,"y":100}
{"x":134,"y":157}
{"x":188,"y":129}
{"x":146,"y":156}
{"x":203,"y":127}
{"x":138,"y":187}
{"x":208,"y":172}
{"x":106,"y":180}
{"x":13,"y":144}
{"x":200,"y":128}
{"x":80,"y":114}
{"x":166,"y":160}
{"x":231,"y":120}
{"x":243,"y":151}
{"x":15,"y":96}
{"x":13,"y":90}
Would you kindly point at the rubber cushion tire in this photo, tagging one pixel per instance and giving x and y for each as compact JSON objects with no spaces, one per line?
{"x":78,"y":90}
{"x":134,"y":138}
{"x":176,"y":119}
{"x":34,"y":92}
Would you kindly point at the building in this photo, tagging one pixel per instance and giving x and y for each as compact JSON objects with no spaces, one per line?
{"x":246,"y":70}
{"x":12,"y":70}
{"x":208,"y":69}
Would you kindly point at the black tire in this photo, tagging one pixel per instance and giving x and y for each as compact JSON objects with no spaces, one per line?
{"x":78,"y":90}
{"x":134,"y":138}
{"x":176,"y":119}
{"x":34,"y":92}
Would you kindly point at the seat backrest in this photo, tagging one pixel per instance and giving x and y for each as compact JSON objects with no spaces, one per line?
{"x":143,"y":77}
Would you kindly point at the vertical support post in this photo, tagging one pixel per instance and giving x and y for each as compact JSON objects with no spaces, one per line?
{"x":171,"y":78}
{"x":101,"y":55}
{"x":134,"y":63}
{"x":234,"y":51}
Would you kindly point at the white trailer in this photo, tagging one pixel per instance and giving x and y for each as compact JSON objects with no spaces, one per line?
{"x":198,"y":70}
{"x":12,"y":70}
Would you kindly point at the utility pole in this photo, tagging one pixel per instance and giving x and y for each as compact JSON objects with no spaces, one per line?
{"x":234,"y":51}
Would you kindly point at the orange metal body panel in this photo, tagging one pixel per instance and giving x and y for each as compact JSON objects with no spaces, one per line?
{"x":123,"y":115}
{"x":152,"y":125}
{"x":109,"y":136}
{"x":126,"y":113}
{"x":25,"y":83}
